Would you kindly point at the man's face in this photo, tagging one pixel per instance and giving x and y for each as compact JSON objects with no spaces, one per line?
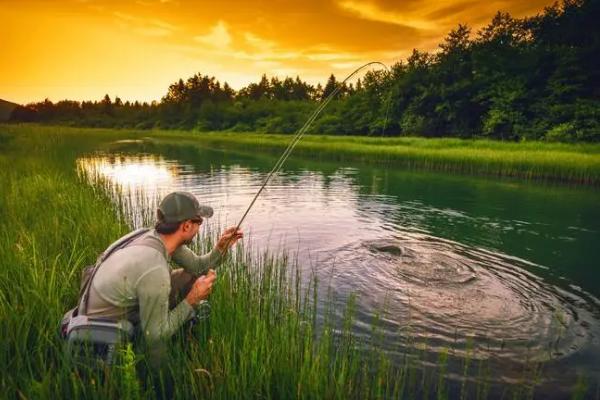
{"x":190,"y":229}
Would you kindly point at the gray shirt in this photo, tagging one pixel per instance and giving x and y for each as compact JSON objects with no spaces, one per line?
{"x":135,"y":283}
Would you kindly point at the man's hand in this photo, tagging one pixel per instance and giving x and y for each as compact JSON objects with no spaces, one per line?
{"x":228,"y":239}
{"x":201,"y":288}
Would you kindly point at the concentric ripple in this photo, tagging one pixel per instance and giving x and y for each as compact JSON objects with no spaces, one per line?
{"x":444,"y":294}
{"x":363,"y":236}
{"x":423,"y":267}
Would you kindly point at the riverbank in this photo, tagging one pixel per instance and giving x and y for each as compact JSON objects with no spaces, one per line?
{"x":262,"y":340}
{"x":558,"y":162}
{"x":554,"y":162}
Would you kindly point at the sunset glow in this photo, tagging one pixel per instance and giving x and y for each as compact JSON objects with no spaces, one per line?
{"x":83,"y":49}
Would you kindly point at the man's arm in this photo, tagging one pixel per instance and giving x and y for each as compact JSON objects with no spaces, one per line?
{"x":199,"y":265}
{"x":156,"y":320}
{"x":195,"y":264}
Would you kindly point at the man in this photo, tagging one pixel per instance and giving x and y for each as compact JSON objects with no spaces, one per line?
{"x":137,"y":283}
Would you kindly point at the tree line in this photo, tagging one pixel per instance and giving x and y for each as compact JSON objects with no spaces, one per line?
{"x":533,"y":78}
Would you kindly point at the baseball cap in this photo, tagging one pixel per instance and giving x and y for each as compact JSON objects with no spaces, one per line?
{"x":179,"y":206}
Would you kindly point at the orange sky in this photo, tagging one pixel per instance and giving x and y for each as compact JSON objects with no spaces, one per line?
{"x":82,"y":49}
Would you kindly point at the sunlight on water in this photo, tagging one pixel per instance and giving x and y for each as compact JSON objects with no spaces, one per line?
{"x":152,"y":174}
{"x":429,"y":290}
{"x":143,"y":179}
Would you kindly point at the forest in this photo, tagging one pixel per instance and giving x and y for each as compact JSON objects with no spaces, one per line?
{"x":532,"y":78}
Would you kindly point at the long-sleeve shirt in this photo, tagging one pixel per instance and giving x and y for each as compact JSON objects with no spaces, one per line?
{"x":135,"y":282}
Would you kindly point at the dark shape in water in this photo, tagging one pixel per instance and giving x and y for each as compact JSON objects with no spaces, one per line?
{"x":386,"y":248}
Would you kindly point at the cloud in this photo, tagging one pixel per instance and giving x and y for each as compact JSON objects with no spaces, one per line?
{"x":347,"y":65}
{"x":258,"y":42}
{"x":373,"y":12}
{"x":153,"y":31}
{"x":219,"y":36}
{"x":237,"y":41}
{"x":438,"y":16}
{"x":265,"y":56}
{"x":124,"y":17}
{"x":285,"y":71}
{"x":452,"y":10}
{"x":144,"y":26}
{"x":331,"y":56}
{"x":267,"y":64}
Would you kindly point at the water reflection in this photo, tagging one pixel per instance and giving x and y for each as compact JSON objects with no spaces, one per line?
{"x":446,"y":292}
{"x":446,"y":277}
{"x":151,"y":173}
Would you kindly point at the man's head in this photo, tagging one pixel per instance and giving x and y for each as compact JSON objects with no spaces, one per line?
{"x":179,"y":213}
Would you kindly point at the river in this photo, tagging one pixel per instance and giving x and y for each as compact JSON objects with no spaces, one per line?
{"x":494,"y":269}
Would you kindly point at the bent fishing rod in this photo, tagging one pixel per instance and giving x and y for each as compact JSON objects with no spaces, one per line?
{"x":300,"y":133}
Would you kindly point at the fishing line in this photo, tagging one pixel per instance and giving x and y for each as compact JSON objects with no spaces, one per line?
{"x":300,"y":133}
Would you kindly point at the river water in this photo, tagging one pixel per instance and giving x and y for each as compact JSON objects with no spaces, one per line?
{"x":500,"y":270}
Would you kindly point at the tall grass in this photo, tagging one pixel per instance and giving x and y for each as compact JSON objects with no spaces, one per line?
{"x":577,"y":163}
{"x":574,"y":163}
{"x":261,"y":341}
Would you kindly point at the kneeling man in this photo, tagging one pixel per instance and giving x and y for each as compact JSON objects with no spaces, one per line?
{"x":136,"y":282}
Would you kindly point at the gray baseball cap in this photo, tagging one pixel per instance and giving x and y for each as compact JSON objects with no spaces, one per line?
{"x":180,"y":206}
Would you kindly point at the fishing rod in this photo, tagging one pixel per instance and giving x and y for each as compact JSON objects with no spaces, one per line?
{"x":300,"y":133}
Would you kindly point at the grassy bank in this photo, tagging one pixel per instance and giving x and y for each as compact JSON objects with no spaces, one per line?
{"x":262,"y":340}
{"x":574,"y":163}
{"x":571,"y":163}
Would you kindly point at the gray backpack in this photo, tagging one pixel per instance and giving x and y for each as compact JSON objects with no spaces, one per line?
{"x":92,"y":339}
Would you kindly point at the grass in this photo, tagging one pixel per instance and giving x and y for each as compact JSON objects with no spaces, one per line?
{"x":571,"y":163}
{"x":262,"y":340}
{"x":574,"y":163}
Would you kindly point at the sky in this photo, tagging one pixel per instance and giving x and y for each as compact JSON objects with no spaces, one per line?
{"x":83,"y":49}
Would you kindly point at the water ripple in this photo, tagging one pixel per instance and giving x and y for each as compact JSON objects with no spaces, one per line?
{"x":447,"y":292}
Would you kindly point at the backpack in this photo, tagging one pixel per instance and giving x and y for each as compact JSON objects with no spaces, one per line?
{"x":104,"y":335}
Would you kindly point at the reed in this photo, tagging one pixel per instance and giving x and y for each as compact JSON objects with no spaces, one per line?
{"x":573,"y":163}
{"x":577,"y":163}
{"x":261,"y":341}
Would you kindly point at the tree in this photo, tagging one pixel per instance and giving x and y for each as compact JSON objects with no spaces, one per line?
{"x":330,"y":87}
{"x":257,"y":91}
{"x":106,"y":105}
{"x":176,"y":92}
{"x":516,"y":78}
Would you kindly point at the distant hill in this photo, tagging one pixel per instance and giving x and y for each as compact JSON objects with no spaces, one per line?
{"x":6,"y":108}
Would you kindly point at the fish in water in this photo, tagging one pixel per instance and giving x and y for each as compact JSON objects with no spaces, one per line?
{"x":385,"y":247}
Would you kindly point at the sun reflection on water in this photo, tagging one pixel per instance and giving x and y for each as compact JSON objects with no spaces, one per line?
{"x":144,"y":179}
{"x":380,"y":248}
{"x":132,"y":172}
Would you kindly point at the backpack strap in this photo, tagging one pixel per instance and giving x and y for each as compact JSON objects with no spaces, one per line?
{"x":119,"y":244}
{"x":152,"y":242}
